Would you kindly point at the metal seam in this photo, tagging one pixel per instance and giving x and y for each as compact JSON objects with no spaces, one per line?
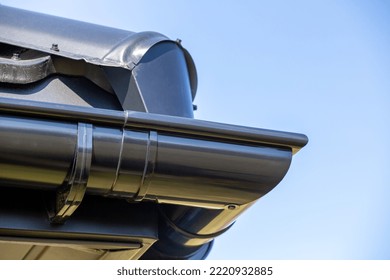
{"x":150,"y":162}
{"x":118,"y":167}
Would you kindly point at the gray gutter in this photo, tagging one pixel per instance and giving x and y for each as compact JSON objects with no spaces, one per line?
{"x":164,"y":123}
{"x":203,"y":174}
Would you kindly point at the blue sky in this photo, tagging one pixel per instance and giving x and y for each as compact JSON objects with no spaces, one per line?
{"x":320,"y":68}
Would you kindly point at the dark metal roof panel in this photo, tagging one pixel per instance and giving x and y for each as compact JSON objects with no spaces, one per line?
{"x":75,"y":39}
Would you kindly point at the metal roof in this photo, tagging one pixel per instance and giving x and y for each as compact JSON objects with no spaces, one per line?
{"x":77,"y":40}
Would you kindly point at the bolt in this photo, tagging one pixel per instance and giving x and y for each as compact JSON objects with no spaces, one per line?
{"x":178,"y":41}
{"x":54,"y":47}
{"x":232,"y":207}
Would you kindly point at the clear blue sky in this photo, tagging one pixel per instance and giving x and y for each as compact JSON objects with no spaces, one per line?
{"x":321,"y":68}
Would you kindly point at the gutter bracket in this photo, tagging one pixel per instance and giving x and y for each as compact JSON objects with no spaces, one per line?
{"x":70,"y":195}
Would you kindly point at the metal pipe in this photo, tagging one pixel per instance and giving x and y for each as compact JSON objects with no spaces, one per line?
{"x":141,"y":165}
{"x":214,"y":171}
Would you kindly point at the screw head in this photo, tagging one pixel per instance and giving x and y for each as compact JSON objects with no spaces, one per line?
{"x":231,"y":207}
{"x":54,"y":47}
